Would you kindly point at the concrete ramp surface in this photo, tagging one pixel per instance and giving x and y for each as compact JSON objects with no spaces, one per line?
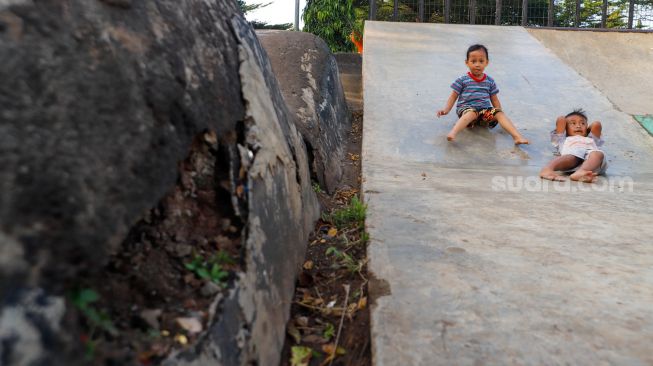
{"x":474,"y":259}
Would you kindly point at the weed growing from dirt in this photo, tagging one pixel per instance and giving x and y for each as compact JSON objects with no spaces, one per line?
{"x":210,"y":269}
{"x":354,"y":213}
{"x":84,"y":300}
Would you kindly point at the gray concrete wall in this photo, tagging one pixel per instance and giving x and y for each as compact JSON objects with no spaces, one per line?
{"x":617,"y":63}
{"x":351,"y":76}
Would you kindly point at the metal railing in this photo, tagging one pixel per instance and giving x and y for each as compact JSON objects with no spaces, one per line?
{"x":607,"y":14}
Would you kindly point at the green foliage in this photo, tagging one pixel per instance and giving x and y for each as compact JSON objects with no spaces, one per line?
{"x":316,"y":187}
{"x":223,"y":257}
{"x":564,"y":13}
{"x":354,"y":213}
{"x":256,"y":24}
{"x":331,"y":20}
{"x":329,"y":331}
{"x":345,"y":260}
{"x":208,"y":269}
{"x":590,"y":14}
{"x":246,"y":8}
{"x":84,"y":301}
{"x":300,"y":355}
{"x":264,"y":25}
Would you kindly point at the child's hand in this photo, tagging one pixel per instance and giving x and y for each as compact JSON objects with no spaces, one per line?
{"x":442,"y":112}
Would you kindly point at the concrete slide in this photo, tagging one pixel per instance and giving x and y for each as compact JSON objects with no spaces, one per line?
{"x":476,"y":261}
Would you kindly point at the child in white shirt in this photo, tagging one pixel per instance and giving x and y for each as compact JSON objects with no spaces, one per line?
{"x":578,"y":146}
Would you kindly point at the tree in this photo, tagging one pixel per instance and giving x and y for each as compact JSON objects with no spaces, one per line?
{"x":256,"y":24}
{"x":331,"y":20}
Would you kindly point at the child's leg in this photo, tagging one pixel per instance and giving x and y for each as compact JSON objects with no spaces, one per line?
{"x":586,"y":171}
{"x":596,"y":128}
{"x":462,"y":122}
{"x":507,"y":125}
{"x":564,"y":162}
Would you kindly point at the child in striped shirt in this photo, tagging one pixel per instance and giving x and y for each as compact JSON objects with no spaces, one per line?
{"x":478,"y":103}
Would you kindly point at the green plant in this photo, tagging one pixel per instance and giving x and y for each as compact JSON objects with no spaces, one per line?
{"x":316,"y":187}
{"x":208,"y":270}
{"x":345,"y":260}
{"x":354,"y":213}
{"x":331,"y":20}
{"x":300,"y":355}
{"x":83,"y":300}
{"x":223,"y":257}
{"x":329,"y":331}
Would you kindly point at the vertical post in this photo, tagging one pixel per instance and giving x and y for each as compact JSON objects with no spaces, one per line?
{"x":631,"y":13}
{"x":497,"y":13}
{"x":297,"y":15}
{"x":472,"y":11}
{"x":604,"y":14}
{"x":577,"y":14}
{"x":549,"y":20}
{"x":524,"y":13}
{"x":447,"y":11}
{"x":372,"y":10}
{"x":395,"y":13}
{"x":421,"y":11}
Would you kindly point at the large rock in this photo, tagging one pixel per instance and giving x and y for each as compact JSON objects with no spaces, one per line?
{"x":308,"y":75}
{"x":100,"y":101}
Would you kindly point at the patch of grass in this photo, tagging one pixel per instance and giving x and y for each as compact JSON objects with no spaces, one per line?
{"x":209,"y":269}
{"x":345,"y":260}
{"x":350,"y":215}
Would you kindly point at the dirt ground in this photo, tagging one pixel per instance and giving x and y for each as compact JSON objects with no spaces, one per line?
{"x":330,"y":311}
{"x":155,"y":295}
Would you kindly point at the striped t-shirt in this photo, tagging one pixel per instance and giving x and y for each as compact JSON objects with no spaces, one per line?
{"x":473,"y":93}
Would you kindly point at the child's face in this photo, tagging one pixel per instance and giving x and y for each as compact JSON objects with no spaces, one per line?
{"x":477,"y":62}
{"x":576,"y":126}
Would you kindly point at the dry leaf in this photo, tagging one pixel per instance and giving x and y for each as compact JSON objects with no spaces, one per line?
{"x":308,"y":265}
{"x":331,"y":350}
{"x":301,"y":321}
{"x":362,"y":303}
{"x":181,"y":339}
{"x":351,"y":309}
{"x":332,"y":232}
{"x":191,"y":325}
{"x":314,"y":338}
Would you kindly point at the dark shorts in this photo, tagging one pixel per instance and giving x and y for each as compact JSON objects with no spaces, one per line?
{"x":486,"y":117}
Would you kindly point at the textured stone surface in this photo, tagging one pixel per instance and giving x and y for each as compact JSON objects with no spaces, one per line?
{"x":307,"y":73}
{"x":100,"y":101}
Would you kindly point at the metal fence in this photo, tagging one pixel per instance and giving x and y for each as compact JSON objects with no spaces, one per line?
{"x":613,"y":14}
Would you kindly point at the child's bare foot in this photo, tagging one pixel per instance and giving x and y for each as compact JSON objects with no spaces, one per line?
{"x":521,"y":141}
{"x":553,"y":176}
{"x":582,"y":175}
